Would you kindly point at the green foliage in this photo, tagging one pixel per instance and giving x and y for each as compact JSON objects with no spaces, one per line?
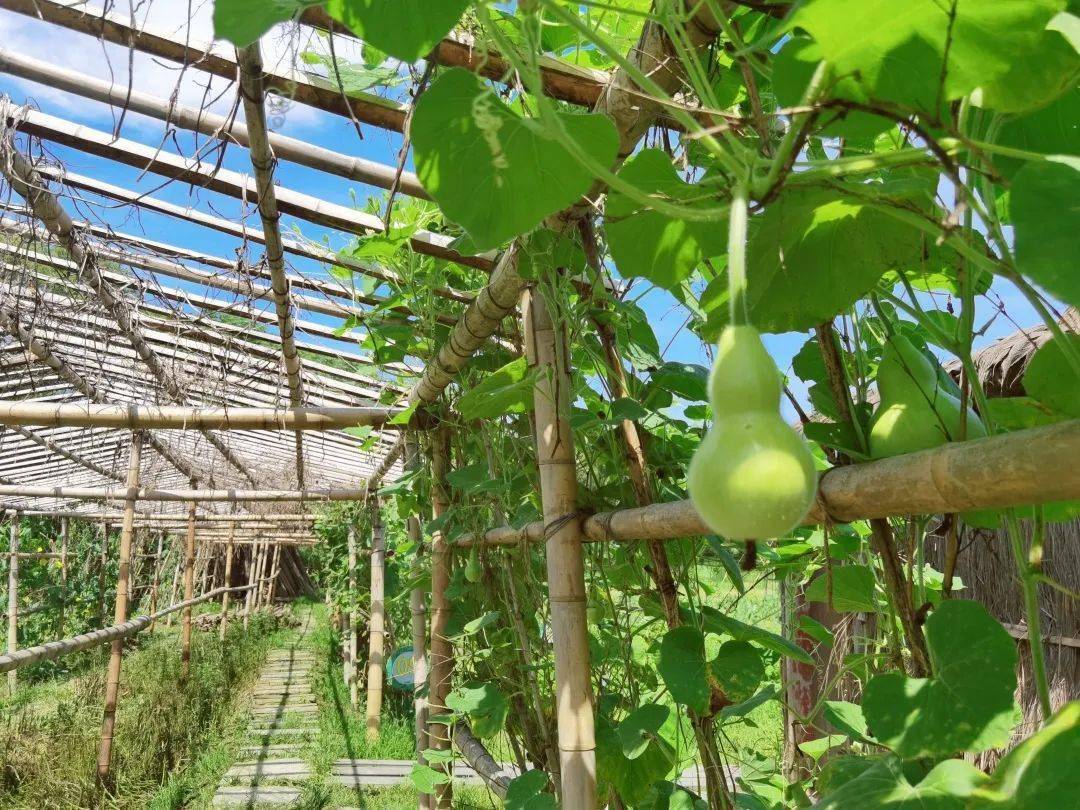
{"x":244,"y":21}
{"x":966,"y":706}
{"x":405,"y":29}
{"x":1046,"y":214}
{"x":497,"y":173}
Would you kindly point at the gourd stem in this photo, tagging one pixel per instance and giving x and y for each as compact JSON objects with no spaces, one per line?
{"x":1029,"y":587}
{"x":737,"y":226}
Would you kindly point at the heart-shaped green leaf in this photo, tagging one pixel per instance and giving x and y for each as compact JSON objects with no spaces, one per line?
{"x":852,"y":589}
{"x":655,"y":246}
{"x":738,"y":669}
{"x":1050,"y":379}
{"x":966,"y":706}
{"x":639,"y":728}
{"x":492,"y":171}
{"x":1045,"y":210}
{"x":405,"y":29}
{"x":683,"y":668}
{"x":485,"y":705}
{"x":242,"y":22}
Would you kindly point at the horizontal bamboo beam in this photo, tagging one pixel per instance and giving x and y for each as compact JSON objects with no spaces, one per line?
{"x":181,"y":417}
{"x":149,"y":519}
{"x":208,"y":123}
{"x":1032,"y":466}
{"x":217,"y":60}
{"x":207,"y":174}
{"x":52,"y":650}
{"x":197,"y":495}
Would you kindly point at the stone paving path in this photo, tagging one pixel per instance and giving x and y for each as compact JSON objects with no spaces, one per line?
{"x":283,"y":718}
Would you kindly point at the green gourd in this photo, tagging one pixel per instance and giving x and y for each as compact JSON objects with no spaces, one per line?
{"x":752,"y":477}
{"x":915,"y":412}
{"x":473,"y":572}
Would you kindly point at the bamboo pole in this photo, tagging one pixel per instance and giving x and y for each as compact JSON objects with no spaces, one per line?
{"x":14,"y":521}
{"x":181,"y":417}
{"x":155,"y":584}
{"x":103,"y":562}
{"x":260,"y":573}
{"x":376,"y":625}
{"x":418,"y":609}
{"x":252,"y":556}
{"x":71,"y":455}
{"x":64,"y":528}
{"x":441,"y":659}
{"x":123,"y":591}
{"x":1023,"y":467}
{"x":227,"y":583}
{"x":174,"y":585}
{"x":173,"y":495}
{"x":275,"y":572}
{"x":189,"y":593}
{"x":262,"y":161}
{"x":204,"y":566}
{"x":352,"y":647}
{"x":57,"y":649}
{"x":208,"y":123}
{"x":547,"y":350}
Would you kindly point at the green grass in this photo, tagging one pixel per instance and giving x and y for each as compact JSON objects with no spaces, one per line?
{"x":171,"y":737}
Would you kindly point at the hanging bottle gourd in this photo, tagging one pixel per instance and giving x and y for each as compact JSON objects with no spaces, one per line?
{"x":473,"y":571}
{"x":914,"y":412}
{"x":752,"y":477}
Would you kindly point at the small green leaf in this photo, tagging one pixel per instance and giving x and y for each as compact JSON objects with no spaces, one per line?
{"x":886,"y":784}
{"x":242,"y":22}
{"x":716,"y":622}
{"x":405,"y":29}
{"x":683,"y":668}
{"x":1045,"y":211}
{"x":529,"y":792}
{"x":747,"y":706}
{"x":1049,"y":377}
{"x":663,"y":249}
{"x":508,"y":390}
{"x":966,"y":706}
{"x":640,"y":727}
{"x":1041,"y":771}
{"x":426,"y":779}
{"x":738,"y":669}
{"x":492,"y":171}
{"x":727,"y":559}
{"x":485,"y":705}
{"x":853,"y":589}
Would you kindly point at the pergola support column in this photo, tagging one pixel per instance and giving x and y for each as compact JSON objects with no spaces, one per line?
{"x":227,"y":583}
{"x":189,"y":592}
{"x":123,"y":590}
{"x":442,"y":661}
{"x":13,"y":595}
{"x":546,"y":349}
{"x":350,"y":644}
{"x":376,"y":624}
{"x":418,"y":609}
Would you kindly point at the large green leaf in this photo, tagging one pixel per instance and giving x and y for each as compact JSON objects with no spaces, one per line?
{"x":1045,"y":210}
{"x":738,"y":669}
{"x":1050,"y":130}
{"x":968,"y":703}
{"x":485,"y":705}
{"x":492,"y":171}
{"x":886,"y":785}
{"x":1042,"y":770}
{"x":529,"y":792}
{"x":244,"y":21}
{"x":405,"y":29}
{"x":632,"y":779}
{"x":1040,"y":75}
{"x":640,"y":727}
{"x":1050,"y":379}
{"x":811,"y":255}
{"x":852,"y":589}
{"x":683,"y":667}
{"x":508,"y":390}
{"x":655,"y":246}
{"x":922,"y":52}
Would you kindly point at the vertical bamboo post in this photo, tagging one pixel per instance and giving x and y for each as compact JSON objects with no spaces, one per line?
{"x":418,"y":608}
{"x":351,"y":645}
{"x":249,"y":594}
{"x":13,"y":595}
{"x":103,"y":562}
{"x":275,"y":570}
{"x":228,"y":583}
{"x":123,"y":585}
{"x":546,"y":349}
{"x":260,"y":573}
{"x":189,"y":590}
{"x":441,"y":658}
{"x":175,"y":584}
{"x":376,"y":624}
{"x":63,"y":577}
{"x":155,"y":584}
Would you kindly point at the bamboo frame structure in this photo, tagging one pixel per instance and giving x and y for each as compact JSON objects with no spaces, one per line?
{"x":64,"y":528}
{"x":546,"y":349}
{"x":13,"y":596}
{"x":441,"y":655}
{"x":178,"y":417}
{"x":418,"y":614}
{"x":57,"y":649}
{"x":376,"y":624}
{"x":352,"y":650}
{"x":155,"y":584}
{"x":123,"y":591}
{"x":228,"y":582}
{"x":189,"y":593}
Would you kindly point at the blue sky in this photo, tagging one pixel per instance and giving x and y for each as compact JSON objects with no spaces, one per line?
{"x":79,"y":52}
